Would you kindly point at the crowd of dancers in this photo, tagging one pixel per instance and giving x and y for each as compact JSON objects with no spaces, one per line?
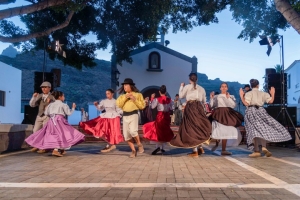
{"x":52,"y":131}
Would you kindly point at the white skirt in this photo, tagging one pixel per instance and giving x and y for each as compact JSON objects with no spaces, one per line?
{"x":230,"y":133}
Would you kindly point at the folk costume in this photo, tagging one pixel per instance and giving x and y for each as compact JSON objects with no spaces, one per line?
{"x":107,"y":125}
{"x":130,"y":115}
{"x":226,"y":119}
{"x":195,"y":128}
{"x":260,"y":126}
{"x":159,"y":130}
{"x":57,"y":133}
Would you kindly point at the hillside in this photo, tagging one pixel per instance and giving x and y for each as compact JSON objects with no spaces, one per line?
{"x":80,"y":87}
{"x":89,"y":84}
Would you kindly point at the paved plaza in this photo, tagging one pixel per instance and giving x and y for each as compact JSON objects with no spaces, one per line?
{"x":84,"y":173}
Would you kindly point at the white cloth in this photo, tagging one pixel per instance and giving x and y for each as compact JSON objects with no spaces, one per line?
{"x":110,"y":107}
{"x":190,"y":93}
{"x":257,"y":98}
{"x":161,"y":107}
{"x":232,"y":134}
{"x":58,"y":108}
{"x":84,"y":116}
{"x":130,"y":126}
{"x":221,"y":100}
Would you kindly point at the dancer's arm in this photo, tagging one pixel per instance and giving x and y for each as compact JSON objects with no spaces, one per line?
{"x":139,"y":101}
{"x":246,"y":98}
{"x":182,"y":91}
{"x":67,"y":110}
{"x":121,"y":100}
{"x":270,"y":99}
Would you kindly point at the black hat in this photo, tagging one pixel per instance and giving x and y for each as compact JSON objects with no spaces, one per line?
{"x":128,"y":81}
{"x":247,"y":85}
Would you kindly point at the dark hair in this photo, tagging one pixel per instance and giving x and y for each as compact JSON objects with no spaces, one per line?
{"x":177,"y":95}
{"x":254,"y":83}
{"x":216,"y":93}
{"x":223,"y":83}
{"x":57,"y":94}
{"x":111,"y":91}
{"x":122,"y":91}
{"x":193,"y":78}
{"x":163,"y":89}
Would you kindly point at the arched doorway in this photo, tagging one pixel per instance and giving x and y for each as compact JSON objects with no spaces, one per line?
{"x":150,"y":90}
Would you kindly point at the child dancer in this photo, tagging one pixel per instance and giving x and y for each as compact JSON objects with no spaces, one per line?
{"x":130,"y":102}
{"x":259,"y":125}
{"x":195,"y":128}
{"x":225,"y":119}
{"x":57,"y":134}
{"x":107,"y":125}
{"x":159,"y":131}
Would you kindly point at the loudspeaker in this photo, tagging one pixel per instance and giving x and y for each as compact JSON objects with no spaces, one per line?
{"x":38,"y":80}
{"x":270,"y":71}
{"x":275,"y":80}
{"x":57,"y":77}
{"x":275,"y":110}
{"x":30,"y":114}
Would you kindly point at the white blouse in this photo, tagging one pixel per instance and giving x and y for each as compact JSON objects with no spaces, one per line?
{"x":110,"y":107}
{"x":58,"y":108}
{"x":190,"y":93}
{"x":257,"y":98}
{"x":161,"y":107}
{"x":221,"y":100}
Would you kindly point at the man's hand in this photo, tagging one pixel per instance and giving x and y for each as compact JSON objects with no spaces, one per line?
{"x":35,"y":94}
{"x":96,"y":103}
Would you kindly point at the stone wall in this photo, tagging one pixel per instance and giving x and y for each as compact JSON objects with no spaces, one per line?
{"x":12,"y":136}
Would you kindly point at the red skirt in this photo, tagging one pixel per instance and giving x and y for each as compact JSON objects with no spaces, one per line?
{"x":159,"y":130}
{"x":107,"y":128}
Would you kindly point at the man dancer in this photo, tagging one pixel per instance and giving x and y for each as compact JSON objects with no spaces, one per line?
{"x":42,"y":101}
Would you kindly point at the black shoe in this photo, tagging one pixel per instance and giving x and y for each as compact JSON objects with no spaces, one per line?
{"x":162,"y":151}
{"x":156,"y":151}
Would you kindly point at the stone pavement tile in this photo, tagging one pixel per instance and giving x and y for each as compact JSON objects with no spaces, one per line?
{"x":182,"y":193}
{"x":135,"y":193}
{"x":53,"y":192}
{"x":118,"y":192}
{"x":148,"y":193}
{"x":107,"y":198}
{"x":195,"y":193}
{"x":72,"y":193}
{"x":89,"y":192}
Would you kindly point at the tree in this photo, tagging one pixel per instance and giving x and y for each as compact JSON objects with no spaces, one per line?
{"x":125,"y":24}
{"x":278,"y":68}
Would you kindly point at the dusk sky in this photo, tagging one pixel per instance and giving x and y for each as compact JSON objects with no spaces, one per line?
{"x":220,"y":54}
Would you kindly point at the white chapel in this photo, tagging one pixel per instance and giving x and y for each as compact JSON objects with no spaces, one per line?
{"x":154,"y":65}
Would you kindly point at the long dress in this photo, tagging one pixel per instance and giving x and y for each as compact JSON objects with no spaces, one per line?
{"x":107,"y":125}
{"x":258,"y":123}
{"x":159,"y":130}
{"x":57,"y":132}
{"x":226,"y":119}
{"x":195,"y":128}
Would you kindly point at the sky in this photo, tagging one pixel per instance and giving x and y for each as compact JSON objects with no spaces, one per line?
{"x":220,"y":54}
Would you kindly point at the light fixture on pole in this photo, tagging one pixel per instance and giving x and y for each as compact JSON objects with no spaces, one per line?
{"x":270,"y":41}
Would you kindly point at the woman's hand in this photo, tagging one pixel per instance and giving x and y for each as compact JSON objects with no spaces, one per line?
{"x":212,"y":94}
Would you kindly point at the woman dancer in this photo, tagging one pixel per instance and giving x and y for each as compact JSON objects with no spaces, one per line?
{"x":259,"y":125}
{"x":130,"y":102}
{"x":195,"y":128}
{"x":107,"y":125}
{"x":225,"y":119}
{"x":57,"y":134}
{"x":159,"y":131}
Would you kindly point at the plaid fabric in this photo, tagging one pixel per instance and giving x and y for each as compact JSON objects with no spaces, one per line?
{"x":259,"y":123}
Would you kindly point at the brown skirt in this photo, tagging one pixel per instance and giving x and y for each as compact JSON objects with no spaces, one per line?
{"x":195,"y":127}
{"x":227,"y":116}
